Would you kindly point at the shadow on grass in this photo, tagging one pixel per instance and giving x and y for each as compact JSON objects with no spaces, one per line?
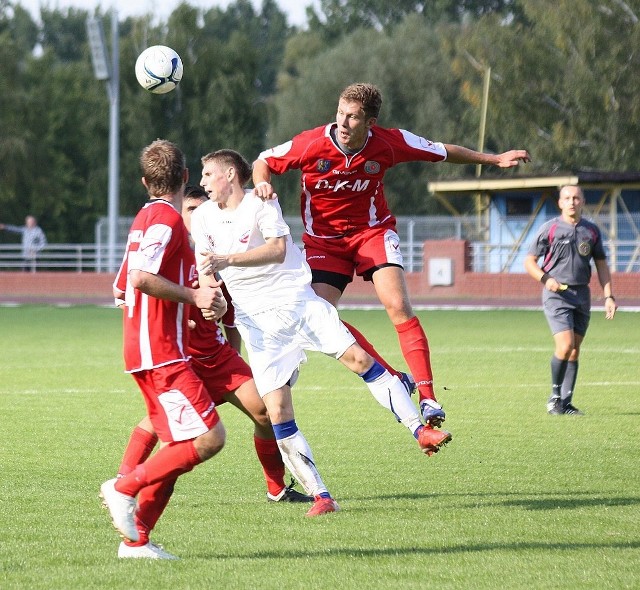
{"x":528,"y":501}
{"x":554,"y":503}
{"x":416,"y":550}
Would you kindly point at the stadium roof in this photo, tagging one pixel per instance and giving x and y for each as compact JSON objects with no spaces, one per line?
{"x":582,"y":178}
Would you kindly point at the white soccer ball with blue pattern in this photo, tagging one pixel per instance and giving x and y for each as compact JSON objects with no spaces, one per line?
{"x":159,"y":69}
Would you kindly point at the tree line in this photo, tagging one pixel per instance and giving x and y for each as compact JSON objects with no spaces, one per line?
{"x":563,"y":85}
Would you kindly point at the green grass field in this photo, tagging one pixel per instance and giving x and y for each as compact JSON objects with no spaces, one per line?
{"x":519,"y":499}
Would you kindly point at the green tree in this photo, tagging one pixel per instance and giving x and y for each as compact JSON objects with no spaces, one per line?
{"x":408,"y":66}
{"x":69,"y":137}
{"x":18,"y":37}
{"x":338,"y":18}
{"x":562,"y":84}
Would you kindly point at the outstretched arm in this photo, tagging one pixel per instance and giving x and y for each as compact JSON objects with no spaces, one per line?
{"x":16,"y":229}
{"x":456,"y":154}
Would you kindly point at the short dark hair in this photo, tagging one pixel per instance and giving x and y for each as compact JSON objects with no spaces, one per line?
{"x":231,"y":158}
{"x":368,"y":94}
{"x":193,"y":191}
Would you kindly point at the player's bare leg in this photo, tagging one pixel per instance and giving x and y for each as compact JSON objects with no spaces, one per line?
{"x":332,"y":295}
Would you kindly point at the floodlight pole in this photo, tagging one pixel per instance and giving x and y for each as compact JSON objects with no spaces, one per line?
{"x":99,"y":57}
{"x":483,"y":114}
{"x":486,"y":81}
{"x":114,"y":146}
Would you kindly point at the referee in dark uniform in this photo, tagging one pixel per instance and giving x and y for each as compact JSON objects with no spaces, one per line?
{"x":566,"y":245}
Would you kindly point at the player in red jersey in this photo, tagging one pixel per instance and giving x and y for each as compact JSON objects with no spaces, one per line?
{"x":348,"y":225}
{"x":228,"y":321}
{"x":227,"y":378}
{"x":161,"y":268}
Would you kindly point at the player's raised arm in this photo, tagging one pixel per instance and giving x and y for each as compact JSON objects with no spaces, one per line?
{"x":262,"y":180}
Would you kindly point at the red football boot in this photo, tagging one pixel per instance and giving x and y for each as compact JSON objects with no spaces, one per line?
{"x":323,"y":506}
{"x":431,"y":439}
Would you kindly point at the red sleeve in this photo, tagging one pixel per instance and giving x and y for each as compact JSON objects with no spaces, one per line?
{"x":291,"y":154}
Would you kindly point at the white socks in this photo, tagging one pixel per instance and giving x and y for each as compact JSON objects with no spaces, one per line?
{"x":392,"y":395}
{"x":298,"y":458}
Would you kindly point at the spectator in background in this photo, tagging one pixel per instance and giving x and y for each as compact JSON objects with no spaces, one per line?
{"x":33,"y":240}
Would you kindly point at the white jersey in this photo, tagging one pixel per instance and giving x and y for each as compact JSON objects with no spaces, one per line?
{"x":227,"y":231}
{"x":278,"y":314}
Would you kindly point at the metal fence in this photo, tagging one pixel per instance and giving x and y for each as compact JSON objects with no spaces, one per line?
{"x":56,"y":257}
{"x":624,"y":255}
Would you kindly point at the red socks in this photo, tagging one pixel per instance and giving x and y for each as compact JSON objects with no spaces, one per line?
{"x":152,"y":501}
{"x":415,"y":349}
{"x":272,"y":464}
{"x":141,"y":444}
{"x":169,"y":462}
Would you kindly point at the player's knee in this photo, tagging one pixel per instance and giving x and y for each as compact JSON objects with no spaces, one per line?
{"x":261,"y":419}
{"x":357,"y":359}
{"x":564,"y":352}
{"x":211,"y":443}
{"x":399,"y":310}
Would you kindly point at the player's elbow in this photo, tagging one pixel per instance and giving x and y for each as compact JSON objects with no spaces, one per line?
{"x":277,"y":249}
{"x":279,"y":255}
{"x":137,"y":278}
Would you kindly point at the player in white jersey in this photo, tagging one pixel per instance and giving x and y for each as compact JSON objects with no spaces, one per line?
{"x":246,"y":241}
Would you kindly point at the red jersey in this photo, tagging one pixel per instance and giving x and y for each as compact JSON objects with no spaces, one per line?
{"x":206,"y":339}
{"x":155,"y":330}
{"x":343,"y":193}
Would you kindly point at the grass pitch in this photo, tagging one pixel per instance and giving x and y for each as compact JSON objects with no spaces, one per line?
{"x":519,"y":499}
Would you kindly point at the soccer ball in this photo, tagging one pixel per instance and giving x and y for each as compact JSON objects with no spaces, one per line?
{"x":159,"y":69}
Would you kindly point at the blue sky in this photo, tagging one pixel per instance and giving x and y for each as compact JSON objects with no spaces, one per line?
{"x":295,"y":9}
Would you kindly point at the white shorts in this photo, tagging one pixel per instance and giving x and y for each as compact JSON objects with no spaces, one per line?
{"x":277,"y":338}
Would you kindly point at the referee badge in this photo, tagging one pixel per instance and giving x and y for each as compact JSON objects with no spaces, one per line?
{"x":584,"y":248}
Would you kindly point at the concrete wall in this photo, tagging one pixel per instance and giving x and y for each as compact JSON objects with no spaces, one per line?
{"x":501,"y":289}
{"x":466,"y":287}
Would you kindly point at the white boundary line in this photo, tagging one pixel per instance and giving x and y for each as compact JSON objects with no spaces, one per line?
{"x":366,"y":306}
{"x":472,"y":307}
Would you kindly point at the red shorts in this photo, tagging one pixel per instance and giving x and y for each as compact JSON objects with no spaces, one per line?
{"x":360,"y":252}
{"x":222,"y":373}
{"x":179,"y":406}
